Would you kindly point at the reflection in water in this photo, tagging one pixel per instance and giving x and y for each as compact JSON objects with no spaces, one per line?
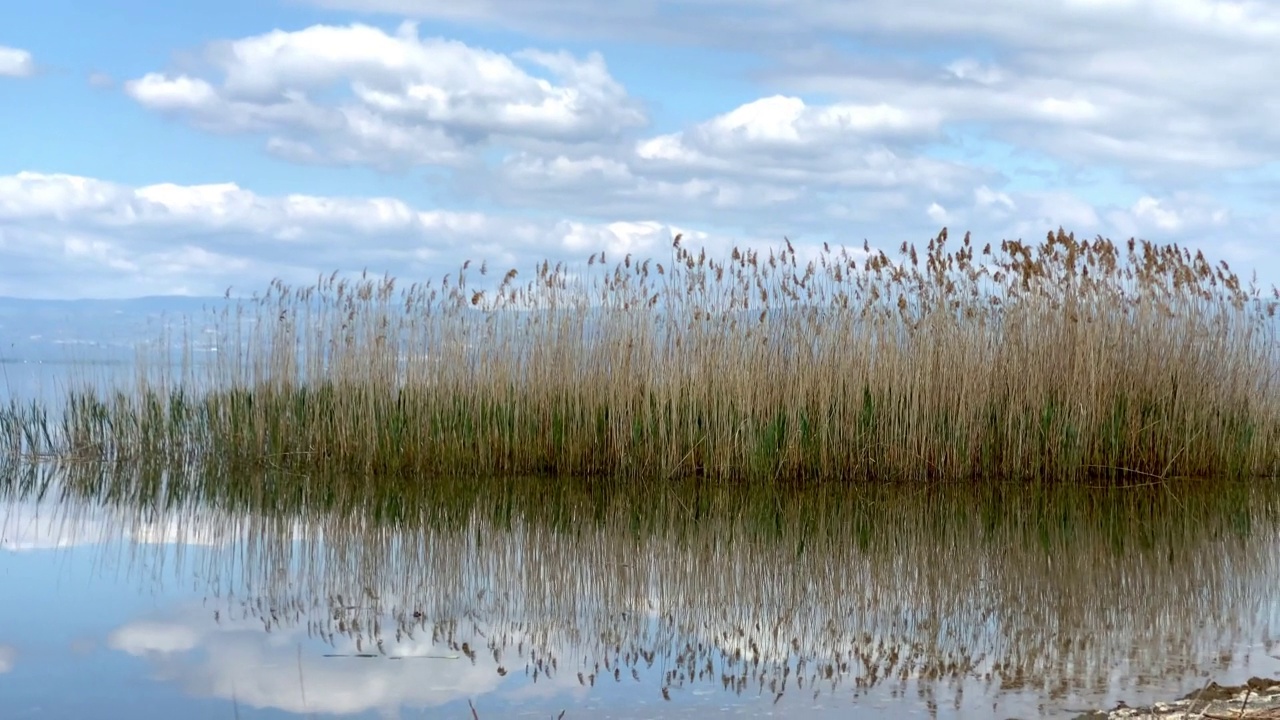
{"x":563,"y":594}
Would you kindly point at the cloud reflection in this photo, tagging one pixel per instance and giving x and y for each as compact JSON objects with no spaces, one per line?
{"x":285,"y":669}
{"x":30,"y":526}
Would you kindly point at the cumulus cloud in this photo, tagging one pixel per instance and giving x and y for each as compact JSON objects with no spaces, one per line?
{"x":851,"y":140}
{"x":774,"y":166}
{"x":1151,"y":216}
{"x":358,"y":95}
{"x":1074,"y":117}
{"x":576,"y":144}
{"x":73,"y":236}
{"x":66,"y":235}
{"x":1157,"y":86}
{"x":782,"y":138}
{"x":992,"y":201}
{"x":15,"y":62}
{"x":606,"y":187}
{"x":1152,"y":88}
{"x":768,"y":24}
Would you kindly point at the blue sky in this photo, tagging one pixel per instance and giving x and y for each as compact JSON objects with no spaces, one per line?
{"x":185,"y":148}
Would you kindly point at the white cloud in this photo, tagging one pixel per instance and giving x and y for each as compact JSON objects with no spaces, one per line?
{"x":1041,"y":211}
{"x":70,"y":235}
{"x":757,"y":23}
{"x":749,"y":168}
{"x":782,"y":138}
{"x":565,"y":146}
{"x":985,"y":197}
{"x":1157,"y":86}
{"x":15,"y":62}
{"x":892,"y":138}
{"x":1181,"y":213}
{"x":8,"y":656}
{"x":608,"y":188}
{"x":1150,"y":209}
{"x":787,"y":122}
{"x":937,"y":213}
{"x":971,"y":70}
{"x":405,"y":100}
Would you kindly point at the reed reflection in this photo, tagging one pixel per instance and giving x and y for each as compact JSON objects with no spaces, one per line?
{"x":769,"y":591}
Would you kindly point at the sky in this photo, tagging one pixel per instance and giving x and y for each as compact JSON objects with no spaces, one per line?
{"x":189,"y":148}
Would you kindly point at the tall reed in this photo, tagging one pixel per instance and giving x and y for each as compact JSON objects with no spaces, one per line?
{"x":1066,"y":360}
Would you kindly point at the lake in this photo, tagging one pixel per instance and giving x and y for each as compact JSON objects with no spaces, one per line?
{"x":185,"y":589}
{"x":146,"y":594}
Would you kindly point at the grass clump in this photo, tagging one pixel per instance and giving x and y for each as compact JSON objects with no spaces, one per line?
{"x":1066,"y":360}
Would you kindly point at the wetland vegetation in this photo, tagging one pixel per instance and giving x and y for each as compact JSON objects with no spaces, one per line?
{"x":1070,"y":360}
{"x":1027,"y":480}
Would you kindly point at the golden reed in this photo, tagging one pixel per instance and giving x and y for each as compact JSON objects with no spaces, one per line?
{"x":1066,"y":360}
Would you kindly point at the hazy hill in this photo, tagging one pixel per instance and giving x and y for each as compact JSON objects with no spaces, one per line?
{"x":62,"y":330}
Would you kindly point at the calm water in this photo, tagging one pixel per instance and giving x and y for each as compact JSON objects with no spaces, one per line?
{"x":172,"y":594}
{"x":154,"y":595}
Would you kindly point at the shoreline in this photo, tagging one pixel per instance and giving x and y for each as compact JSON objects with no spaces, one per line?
{"x":1256,"y":699}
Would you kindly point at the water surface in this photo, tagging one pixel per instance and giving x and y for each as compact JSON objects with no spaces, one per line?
{"x":160,"y":593}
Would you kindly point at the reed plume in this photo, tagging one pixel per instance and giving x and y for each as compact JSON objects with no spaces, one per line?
{"x":1064,"y":360}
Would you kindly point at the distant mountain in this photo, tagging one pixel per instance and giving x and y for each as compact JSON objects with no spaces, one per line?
{"x":89,"y":330}
{"x":47,"y":344}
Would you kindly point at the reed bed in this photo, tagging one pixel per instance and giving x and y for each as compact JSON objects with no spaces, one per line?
{"x":1065,"y":360}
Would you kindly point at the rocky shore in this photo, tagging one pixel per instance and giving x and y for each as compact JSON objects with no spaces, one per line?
{"x":1257,"y":699}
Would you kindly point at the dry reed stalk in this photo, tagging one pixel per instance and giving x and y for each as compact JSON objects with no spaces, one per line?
{"x":1066,"y":360}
